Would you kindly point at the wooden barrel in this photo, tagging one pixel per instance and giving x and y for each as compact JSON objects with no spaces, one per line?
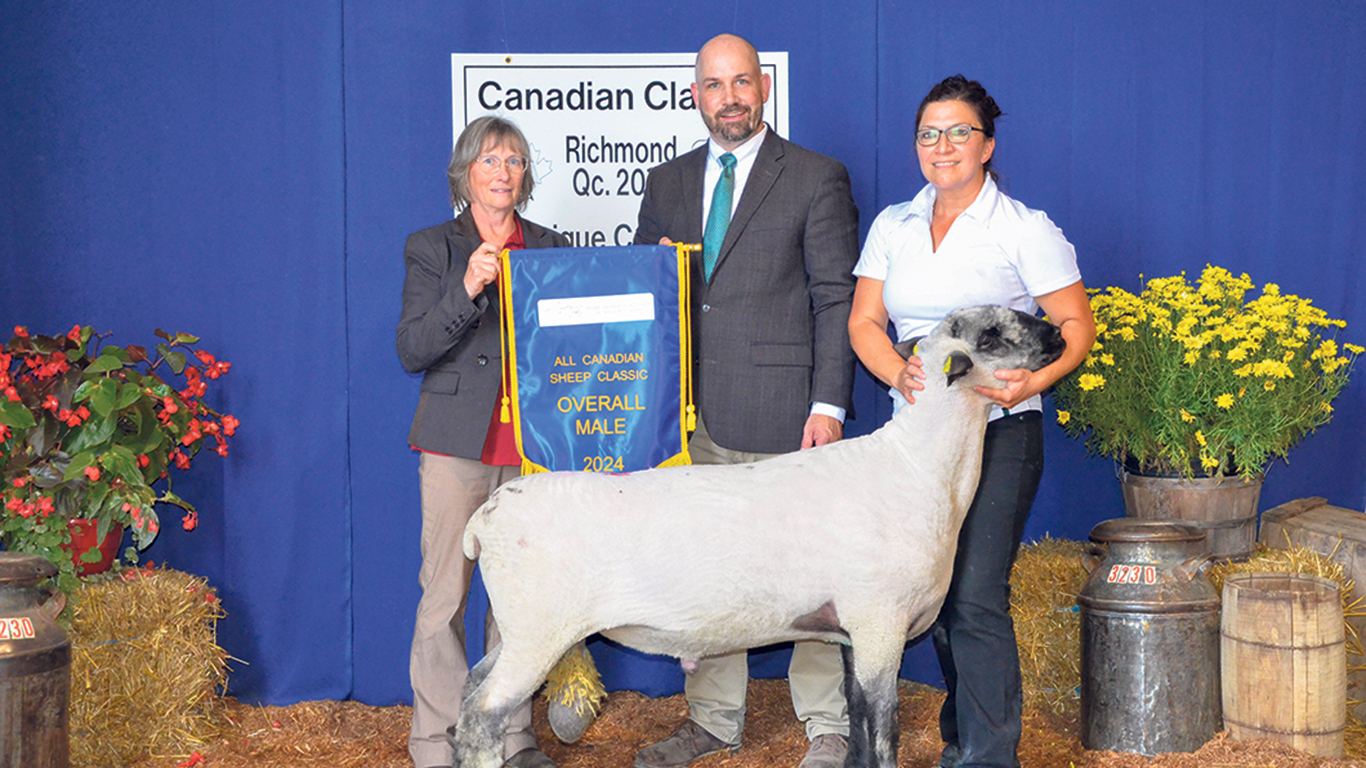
{"x":1339,"y":535}
{"x":1284,"y":666}
{"x":1225,"y":508}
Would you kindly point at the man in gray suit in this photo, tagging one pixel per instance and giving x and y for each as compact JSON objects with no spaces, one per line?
{"x":773,"y":369}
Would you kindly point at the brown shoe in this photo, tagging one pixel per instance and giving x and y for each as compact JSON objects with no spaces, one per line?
{"x":688,"y":743}
{"x":826,"y":751}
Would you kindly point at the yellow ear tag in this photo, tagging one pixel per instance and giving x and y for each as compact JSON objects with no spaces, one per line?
{"x":948,"y":363}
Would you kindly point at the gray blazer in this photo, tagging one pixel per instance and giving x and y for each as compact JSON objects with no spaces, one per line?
{"x":770,"y":330}
{"x":451,"y":340}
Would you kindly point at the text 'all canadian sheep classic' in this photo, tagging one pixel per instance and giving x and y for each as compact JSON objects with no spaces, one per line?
{"x":850,"y":543}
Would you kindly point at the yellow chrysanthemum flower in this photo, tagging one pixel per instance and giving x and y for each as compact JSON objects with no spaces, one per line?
{"x":1186,"y":417}
{"x":1200,"y":438}
{"x":1090,"y":381}
{"x":1224,"y":401}
{"x":1064,"y":417}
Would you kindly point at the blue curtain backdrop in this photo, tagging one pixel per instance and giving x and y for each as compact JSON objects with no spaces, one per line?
{"x":248,"y":171}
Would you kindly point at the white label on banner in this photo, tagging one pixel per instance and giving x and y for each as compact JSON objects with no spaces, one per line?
{"x":619,"y":308}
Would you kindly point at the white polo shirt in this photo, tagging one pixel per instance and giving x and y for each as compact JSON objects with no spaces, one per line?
{"x":996,"y":252}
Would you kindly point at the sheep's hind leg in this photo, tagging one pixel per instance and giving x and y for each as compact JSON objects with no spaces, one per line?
{"x":859,"y":735}
{"x":870,"y":688}
{"x":498,"y":685}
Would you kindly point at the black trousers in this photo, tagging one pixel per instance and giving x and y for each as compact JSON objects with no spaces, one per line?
{"x":974,"y":636}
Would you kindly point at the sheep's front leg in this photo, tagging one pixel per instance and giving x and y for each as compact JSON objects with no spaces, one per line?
{"x":870,"y":688}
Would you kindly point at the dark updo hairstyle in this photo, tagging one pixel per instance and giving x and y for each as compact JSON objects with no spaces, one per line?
{"x":970,"y":92}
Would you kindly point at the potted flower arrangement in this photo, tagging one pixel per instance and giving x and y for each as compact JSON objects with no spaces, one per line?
{"x":1185,"y":379}
{"x":88,"y":432}
{"x":1196,"y":383}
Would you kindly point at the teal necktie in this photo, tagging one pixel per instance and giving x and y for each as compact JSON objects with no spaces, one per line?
{"x":718,"y":218}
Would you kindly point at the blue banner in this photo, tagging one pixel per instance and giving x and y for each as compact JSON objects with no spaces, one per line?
{"x":597,"y":343}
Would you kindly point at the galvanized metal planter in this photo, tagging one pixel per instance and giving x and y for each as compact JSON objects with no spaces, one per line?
{"x":1149,"y":640}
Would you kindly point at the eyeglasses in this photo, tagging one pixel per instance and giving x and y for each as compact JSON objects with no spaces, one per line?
{"x":958,"y":134}
{"x":491,"y":163}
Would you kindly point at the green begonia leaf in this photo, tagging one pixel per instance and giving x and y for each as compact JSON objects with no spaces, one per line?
{"x":15,"y":415}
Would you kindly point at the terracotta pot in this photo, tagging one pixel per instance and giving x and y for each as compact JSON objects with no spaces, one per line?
{"x":83,"y":533}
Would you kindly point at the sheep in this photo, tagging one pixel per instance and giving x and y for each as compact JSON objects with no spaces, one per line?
{"x":850,"y":543}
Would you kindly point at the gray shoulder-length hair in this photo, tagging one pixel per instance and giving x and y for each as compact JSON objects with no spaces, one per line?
{"x":485,"y":131}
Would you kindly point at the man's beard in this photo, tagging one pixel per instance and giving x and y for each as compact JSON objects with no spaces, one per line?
{"x":734,"y":133}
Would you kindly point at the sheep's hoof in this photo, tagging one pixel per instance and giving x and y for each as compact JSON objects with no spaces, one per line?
{"x":575,"y":693}
{"x":567,"y":722}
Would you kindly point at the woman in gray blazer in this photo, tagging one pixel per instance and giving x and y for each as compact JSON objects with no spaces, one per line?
{"x":449,"y":333}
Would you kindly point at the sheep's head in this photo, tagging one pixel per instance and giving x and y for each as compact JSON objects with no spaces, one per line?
{"x":988,"y":338}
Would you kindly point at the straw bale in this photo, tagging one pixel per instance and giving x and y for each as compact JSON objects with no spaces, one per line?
{"x":1044,"y":585}
{"x":146,"y":669}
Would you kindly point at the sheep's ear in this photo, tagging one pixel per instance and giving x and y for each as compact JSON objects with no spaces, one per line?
{"x":907,"y":348}
{"x":957,"y":366}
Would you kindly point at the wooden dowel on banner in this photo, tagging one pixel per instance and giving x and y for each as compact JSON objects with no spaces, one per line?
{"x":685,"y":319}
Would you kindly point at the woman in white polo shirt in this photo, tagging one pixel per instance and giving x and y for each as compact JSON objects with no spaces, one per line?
{"x":963,"y":242}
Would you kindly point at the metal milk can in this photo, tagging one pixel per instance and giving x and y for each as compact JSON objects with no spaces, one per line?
{"x":35,"y":666}
{"x":1149,"y":640}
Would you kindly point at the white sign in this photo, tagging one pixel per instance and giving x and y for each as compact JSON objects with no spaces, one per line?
{"x":596,"y":123}
{"x":618,"y":308}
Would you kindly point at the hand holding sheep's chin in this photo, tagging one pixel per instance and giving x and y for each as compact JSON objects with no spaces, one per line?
{"x":1020,"y":385}
{"x":820,"y":430}
{"x":908,"y":379}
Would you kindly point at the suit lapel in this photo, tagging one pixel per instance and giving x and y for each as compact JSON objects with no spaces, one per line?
{"x":463,"y":237}
{"x":693,"y":179}
{"x":768,"y":165}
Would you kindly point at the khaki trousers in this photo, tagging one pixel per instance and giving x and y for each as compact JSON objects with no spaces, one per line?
{"x":452,"y":489}
{"x":716,"y":691}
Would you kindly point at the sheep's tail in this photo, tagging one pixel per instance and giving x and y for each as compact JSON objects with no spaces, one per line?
{"x":575,"y":693}
{"x":470,"y":542}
